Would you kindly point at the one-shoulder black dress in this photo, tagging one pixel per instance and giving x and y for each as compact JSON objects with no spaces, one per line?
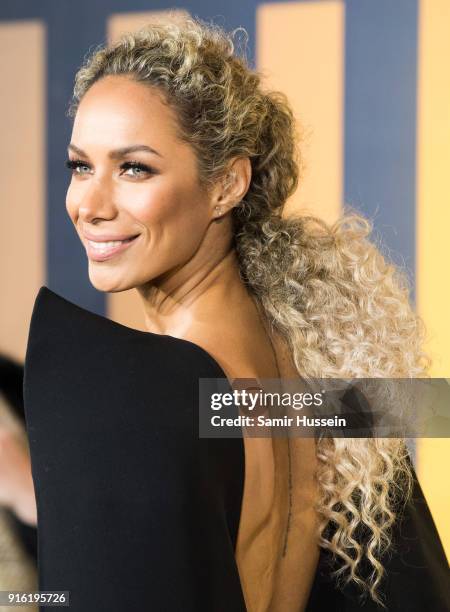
{"x":137,"y":513}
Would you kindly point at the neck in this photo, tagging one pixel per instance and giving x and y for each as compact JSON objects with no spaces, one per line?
{"x":190,"y":302}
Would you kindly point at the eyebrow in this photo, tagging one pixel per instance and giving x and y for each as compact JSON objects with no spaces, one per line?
{"x":118,"y":153}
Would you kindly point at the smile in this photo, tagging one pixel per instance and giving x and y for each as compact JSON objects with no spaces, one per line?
{"x":100,"y":251}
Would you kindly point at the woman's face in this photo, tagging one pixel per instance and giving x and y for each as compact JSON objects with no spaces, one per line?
{"x":134,"y":196}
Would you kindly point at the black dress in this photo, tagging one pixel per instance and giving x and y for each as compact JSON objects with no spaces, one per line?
{"x":135,"y":511}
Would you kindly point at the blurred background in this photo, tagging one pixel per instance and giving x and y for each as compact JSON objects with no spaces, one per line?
{"x":370,"y":85}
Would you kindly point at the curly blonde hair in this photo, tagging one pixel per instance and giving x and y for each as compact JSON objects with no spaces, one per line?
{"x":343,"y":309}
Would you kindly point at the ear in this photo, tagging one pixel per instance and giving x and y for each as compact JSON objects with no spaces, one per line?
{"x":233,"y":187}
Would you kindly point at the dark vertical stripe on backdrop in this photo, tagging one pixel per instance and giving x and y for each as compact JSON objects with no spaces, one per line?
{"x":380,"y":120}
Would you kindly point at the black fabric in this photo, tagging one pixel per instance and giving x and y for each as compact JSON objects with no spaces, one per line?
{"x":11,"y":381}
{"x":416,"y":570}
{"x":135,"y":512}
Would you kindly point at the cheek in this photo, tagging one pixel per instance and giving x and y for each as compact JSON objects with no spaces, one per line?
{"x":72,"y":203}
{"x":168,"y":210}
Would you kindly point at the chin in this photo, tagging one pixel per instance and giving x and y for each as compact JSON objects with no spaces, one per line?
{"x":108,"y":284}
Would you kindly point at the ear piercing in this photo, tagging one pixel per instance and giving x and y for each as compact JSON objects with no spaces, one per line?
{"x":218,"y":210}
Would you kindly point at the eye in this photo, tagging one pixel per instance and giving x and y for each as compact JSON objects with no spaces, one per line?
{"x":142,"y":169}
{"x":75,"y":164}
{"x":139,"y":169}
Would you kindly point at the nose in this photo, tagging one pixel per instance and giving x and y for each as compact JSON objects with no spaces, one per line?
{"x":96,"y":202}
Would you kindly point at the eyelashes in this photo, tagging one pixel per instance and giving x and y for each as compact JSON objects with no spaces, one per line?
{"x":74,"y":164}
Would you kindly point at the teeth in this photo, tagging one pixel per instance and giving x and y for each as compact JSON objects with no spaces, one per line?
{"x":105,"y":246}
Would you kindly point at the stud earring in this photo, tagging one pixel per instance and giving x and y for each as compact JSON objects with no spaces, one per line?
{"x":218,"y":210}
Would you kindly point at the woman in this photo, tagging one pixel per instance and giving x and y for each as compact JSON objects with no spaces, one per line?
{"x":181,"y":164}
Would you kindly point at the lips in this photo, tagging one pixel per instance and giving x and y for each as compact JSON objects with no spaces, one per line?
{"x":101,"y":250}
